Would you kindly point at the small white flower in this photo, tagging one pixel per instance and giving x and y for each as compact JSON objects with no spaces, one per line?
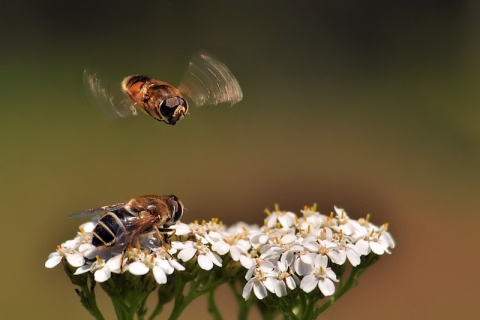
{"x":260,"y":278}
{"x":285,"y":218}
{"x":378,"y":241}
{"x":312,"y":217}
{"x":325,"y":247}
{"x":321,"y":276}
{"x":344,"y":222}
{"x":349,"y":251}
{"x":286,"y":276}
{"x":68,"y":250}
{"x":304,"y":262}
{"x":205,"y":257}
{"x":101,"y":270}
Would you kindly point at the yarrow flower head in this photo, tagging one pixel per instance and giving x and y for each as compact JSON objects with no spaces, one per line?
{"x":294,"y":260}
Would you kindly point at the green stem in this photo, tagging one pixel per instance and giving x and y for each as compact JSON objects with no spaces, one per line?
{"x":309,"y":310}
{"x":347,"y":285}
{"x":158,"y":309}
{"x":179,"y":297}
{"x":243,"y":305}
{"x":212,"y":306}
{"x":121,"y":309}
{"x":86,"y":292}
{"x":89,"y":301}
{"x":196,"y":290}
{"x":142,"y":311}
{"x":129,"y":294}
{"x":269,"y":313}
{"x":165,"y":294}
{"x":303,"y":302}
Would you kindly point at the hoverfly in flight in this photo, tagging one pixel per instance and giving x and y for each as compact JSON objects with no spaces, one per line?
{"x":123,"y":223}
{"x":208,"y":81}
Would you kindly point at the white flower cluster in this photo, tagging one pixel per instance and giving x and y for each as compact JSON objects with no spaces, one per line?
{"x":287,"y":252}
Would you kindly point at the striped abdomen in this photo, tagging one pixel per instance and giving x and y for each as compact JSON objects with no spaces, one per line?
{"x":111,"y":227}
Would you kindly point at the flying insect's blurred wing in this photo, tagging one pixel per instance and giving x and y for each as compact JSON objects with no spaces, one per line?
{"x":113,"y":105}
{"x":209,"y":81}
{"x":96,"y":211}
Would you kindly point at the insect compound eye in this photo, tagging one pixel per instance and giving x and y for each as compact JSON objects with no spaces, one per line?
{"x":177,"y":208}
{"x":173,"y":109}
{"x":168,"y":106}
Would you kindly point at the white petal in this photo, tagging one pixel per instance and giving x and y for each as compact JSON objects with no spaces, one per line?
{"x":243,"y":245}
{"x":53,"y":260}
{"x":115,"y":263}
{"x":159,"y":275}
{"x":280,"y":289}
{"x":309,"y":283}
{"x":270,"y":283}
{"x":215,"y":258}
{"x":287,"y":258}
{"x":303,"y":266}
{"x":181,"y":229}
{"x":266,"y":266}
{"x":259,"y":290}
{"x":204,"y":262}
{"x":271,"y":221}
{"x":288,"y":238}
{"x":85,"y":247}
{"x":321,"y":261}
{"x":180,"y":245}
{"x":263,"y":239}
{"x":327,"y":287}
{"x":250,"y":272}
{"x":88,"y":226}
{"x":247,"y":289}
{"x":291,"y":283}
{"x":165,"y":265}
{"x":362,"y":247}
{"x":235,"y":253}
{"x":308,"y":258}
{"x":330,"y":274}
{"x":282,"y":265}
{"x":177,"y":265}
{"x":76,"y":259}
{"x":138,"y":268}
{"x":102,"y":275}
{"x":338,"y":211}
{"x":353,"y":257}
{"x":187,"y":254}
{"x":286,"y":221}
{"x":337,"y":257}
{"x":247,"y":262}
{"x":387,"y":237}
{"x":311,"y":246}
{"x":70,"y":244}
{"x":83,"y":269}
{"x":221,"y":247}
{"x":214,"y":236}
{"x":377,"y":248}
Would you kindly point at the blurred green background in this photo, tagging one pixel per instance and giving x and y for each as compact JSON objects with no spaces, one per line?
{"x":369,"y":105}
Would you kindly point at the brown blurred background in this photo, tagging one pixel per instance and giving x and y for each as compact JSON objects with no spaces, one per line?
{"x":370,"y":105}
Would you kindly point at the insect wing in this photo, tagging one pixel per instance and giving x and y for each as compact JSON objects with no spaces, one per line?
{"x":134,"y":228}
{"x":209,"y":81}
{"x":112,"y":105}
{"x":96,"y":211}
